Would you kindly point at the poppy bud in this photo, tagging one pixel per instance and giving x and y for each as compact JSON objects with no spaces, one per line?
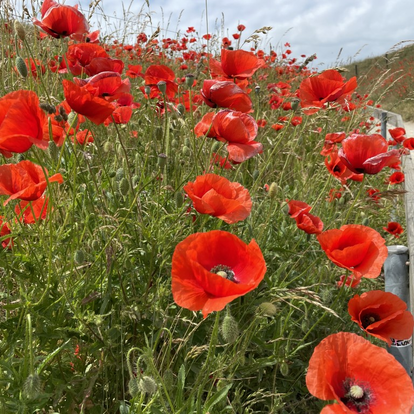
{"x":267,"y":309}
{"x":168,"y":379}
{"x":284,"y":368}
{"x":174,"y":143}
{"x":53,"y":151}
{"x":365,"y":221}
{"x":186,"y":151}
{"x":162,"y":86}
{"x":135,"y":180}
{"x":108,"y":147}
{"x":71,"y":118}
{"x":147,"y":90}
{"x":229,"y":329}
{"x":21,"y":66}
{"x":133,"y":387}
{"x":179,"y":199}
{"x":95,"y":245}
{"x":119,"y":175}
{"x":162,"y":160}
{"x":19,"y":29}
{"x":112,"y":174}
{"x":272,"y":191}
{"x":50,"y":109}
{"x":79,"y":257}
{"x":32,"y":386}
{"x":304,"y":326}
{"x":148,"y":385}
{"x":187,"y":142}
{"x":123,"y":186}
{"x":181,"y":108}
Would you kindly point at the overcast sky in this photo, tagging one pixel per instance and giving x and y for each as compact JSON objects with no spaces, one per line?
{"x":361,"y":28}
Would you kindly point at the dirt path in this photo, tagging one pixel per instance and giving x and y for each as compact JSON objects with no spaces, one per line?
{"x":409,"y":129}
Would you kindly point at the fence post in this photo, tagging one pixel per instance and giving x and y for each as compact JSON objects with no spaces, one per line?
{"x":397,"y":282}
{"x":384,"y":124}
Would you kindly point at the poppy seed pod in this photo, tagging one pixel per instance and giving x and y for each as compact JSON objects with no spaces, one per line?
{"x":162,"y":160}
{"x":162,"y":86}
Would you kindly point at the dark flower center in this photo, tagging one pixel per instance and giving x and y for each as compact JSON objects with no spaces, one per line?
{"x":369,"y":318}
{"x":358,"y":396}
{"x":225,"y":272}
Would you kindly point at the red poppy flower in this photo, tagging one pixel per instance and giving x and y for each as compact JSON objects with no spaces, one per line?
{"x":305,"y":221}
{"x":409,"y":143}
{"x":382,"y":314}
{"x":61,"y":21}
{"x":226,"y":94}
{"x":161,"y":73}
{"x":239,"y":130}
{"x":108,"y":85}
{"x":396,"y":178}
{"x":206,"y":276}
{"x":219,"y":197}
{"x":394,"y":228}
{"x":374,"y":194}
{"x":25,"y":180}
{"x":355,"y":247}
{"x":83,"y":137}
{"x":205,"y":126}
{"x":33,"y":211}
{"x":361,"y":377}
{"x":338,"y":169}
{"x":330,"y":142}
{"x":21,"y":123}
{"x":329,"y":86}
{"x":91,"y":59}
{"x":296,"y":120}
{"x":4,"y":231}
{"x":398,"y":134}
{"x":367,"y":154}
{"x":85,"y":103}
{"x":237,"y":64}
{"x":221,"y":161}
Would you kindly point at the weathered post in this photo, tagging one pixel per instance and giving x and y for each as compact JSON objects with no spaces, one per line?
{"x":384,"y":124}
{"x":397,"y":282}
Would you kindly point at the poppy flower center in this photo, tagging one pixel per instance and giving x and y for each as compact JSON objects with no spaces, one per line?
{"x":225,"y":272}
{"x":357,"y":396}
{"x":369,"y":318}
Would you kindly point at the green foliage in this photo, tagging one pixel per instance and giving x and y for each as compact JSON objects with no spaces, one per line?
{"x":94,"y":277}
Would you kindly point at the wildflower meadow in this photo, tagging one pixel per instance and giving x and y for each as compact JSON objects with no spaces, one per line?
{"x":192,"y":225}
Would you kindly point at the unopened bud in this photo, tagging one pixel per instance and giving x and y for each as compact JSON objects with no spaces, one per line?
{"x":19,"y":29}
{"x":133,"y":387}
{"x":272,"y":190}
{"x":284,"y":368}
{"x":148,"y":385}
{"x":119,"y":175}
{"x":79,"y":257}
{"x":168,"y":379}
{"x":32,"y":387}
{"x":123,"y":186}
{"x":108,"y":147}
{"x":179,"y":199}
{"x":21,"y":66}
{"x":186,"y":151}
{"x":267,"y":309}
{"x":229,"y":329}
{"x":162,"y":160}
